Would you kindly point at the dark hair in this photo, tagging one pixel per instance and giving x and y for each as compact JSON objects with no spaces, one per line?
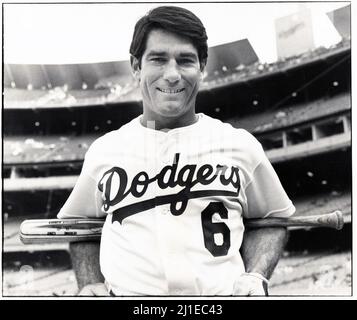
{"x":176,"y":20}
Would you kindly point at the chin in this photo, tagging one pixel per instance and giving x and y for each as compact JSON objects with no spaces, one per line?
{"x":172,"y":111}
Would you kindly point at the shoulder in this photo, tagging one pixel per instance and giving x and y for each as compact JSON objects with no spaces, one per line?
{"x":217,"y":124}
{"x":243,"y":146}
{"x":115,"y":137}
{"x":239,"y":135}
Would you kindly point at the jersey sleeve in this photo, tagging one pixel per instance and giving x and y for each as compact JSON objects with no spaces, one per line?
{"x":84,"y":201}
{"x":265,"y":195}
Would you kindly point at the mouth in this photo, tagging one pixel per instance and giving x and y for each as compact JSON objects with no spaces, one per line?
{"x":171,"y":91}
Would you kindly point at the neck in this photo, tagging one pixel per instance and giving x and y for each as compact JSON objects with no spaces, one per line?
{"x":160,"y":123}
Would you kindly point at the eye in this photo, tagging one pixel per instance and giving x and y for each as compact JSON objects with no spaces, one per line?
{"x":158,"y":59}
{"x":185,"y":61}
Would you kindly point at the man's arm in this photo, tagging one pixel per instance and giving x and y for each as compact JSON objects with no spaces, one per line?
{"x":261,"y":250}
{"x":85,"y":263}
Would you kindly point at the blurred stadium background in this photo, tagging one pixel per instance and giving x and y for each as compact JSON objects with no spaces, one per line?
{"x":298,"y":107}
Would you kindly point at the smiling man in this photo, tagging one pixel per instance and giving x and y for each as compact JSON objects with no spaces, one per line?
{"x":169,"y":73}
{"x":175,"y":185}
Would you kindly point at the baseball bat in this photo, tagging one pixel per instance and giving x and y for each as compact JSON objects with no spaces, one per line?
{"x":36,"y":231}
{"x":330,"y":220}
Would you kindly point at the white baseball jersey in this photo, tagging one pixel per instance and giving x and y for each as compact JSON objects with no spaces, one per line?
{"x":174,"y":203}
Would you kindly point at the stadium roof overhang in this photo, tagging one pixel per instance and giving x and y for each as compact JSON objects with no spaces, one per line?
{"x":51,"y":86}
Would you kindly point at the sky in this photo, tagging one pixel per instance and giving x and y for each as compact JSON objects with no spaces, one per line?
{"x":99,"y":32}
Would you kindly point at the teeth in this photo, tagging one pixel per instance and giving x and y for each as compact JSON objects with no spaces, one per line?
{"x":170,"y":91}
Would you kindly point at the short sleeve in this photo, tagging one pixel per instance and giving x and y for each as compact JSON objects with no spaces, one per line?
{"x":84,"y":201}
{"x":265,"y":194}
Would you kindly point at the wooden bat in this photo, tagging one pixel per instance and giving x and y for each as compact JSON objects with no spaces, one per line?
{"x":72,"y":230}
{"x":331,"y":220}
{"x":33,"y":231}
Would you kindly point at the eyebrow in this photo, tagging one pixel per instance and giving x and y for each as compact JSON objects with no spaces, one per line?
{"x":188,"y":55}
{"x":181,"y":54}
{"x":156,"y":53}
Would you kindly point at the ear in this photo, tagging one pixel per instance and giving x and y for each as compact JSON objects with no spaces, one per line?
{"x":135,"y":67}
{"x":202,"y":69}
{"x":203,"y":65}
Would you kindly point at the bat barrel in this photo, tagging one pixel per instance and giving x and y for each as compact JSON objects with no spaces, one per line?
{"x":331,"y":220}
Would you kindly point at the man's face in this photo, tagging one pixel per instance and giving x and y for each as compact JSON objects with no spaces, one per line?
{"x":169,"y":75}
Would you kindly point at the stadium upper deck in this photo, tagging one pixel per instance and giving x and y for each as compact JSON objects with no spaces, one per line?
{"x":96,"y":84}
{"x":325,"y":117}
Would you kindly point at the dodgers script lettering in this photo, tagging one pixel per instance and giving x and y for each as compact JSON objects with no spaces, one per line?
{"x":169,"y":177}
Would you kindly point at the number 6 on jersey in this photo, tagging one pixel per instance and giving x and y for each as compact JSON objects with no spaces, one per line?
{"x":211,"y":228}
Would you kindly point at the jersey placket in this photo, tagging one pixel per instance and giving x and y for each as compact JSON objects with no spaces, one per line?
{"x":169,"y":240}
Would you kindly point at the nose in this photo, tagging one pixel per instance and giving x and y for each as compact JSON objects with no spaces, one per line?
{"x":171,"y":73}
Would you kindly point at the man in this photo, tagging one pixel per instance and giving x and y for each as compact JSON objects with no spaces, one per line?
{"x":174,"y":185}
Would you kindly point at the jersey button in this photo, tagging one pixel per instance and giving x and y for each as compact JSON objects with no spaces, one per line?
{"x":166,"y":160}
{"x":177,"y":292}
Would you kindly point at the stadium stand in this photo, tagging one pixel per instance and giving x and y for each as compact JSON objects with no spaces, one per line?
{"x":295,"y":115}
